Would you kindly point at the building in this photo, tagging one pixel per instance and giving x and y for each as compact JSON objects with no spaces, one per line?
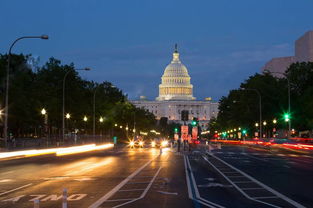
{"x":176,"y":94}
{"x":303,"y":53}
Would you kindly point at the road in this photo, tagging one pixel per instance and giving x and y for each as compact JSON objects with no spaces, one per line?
{"x":124,"y":177}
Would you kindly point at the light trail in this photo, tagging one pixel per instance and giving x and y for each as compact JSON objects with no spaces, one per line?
{"x":56,"y":151}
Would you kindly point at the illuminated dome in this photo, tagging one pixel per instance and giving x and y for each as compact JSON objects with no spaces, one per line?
{"x":175,"y":81}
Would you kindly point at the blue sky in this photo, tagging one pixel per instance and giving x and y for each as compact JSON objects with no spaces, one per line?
{"x":129,"y":43}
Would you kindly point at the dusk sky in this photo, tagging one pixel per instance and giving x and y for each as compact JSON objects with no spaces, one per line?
{"x":129,"y":43}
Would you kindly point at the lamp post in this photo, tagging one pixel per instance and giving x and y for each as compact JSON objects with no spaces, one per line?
{"x":94,"y":113}
{"x":63,"y":98}
{"x":45,"y":114}
{"x":288,"y":81}
{"x":260,"y":108}
{"x":6,"y":107}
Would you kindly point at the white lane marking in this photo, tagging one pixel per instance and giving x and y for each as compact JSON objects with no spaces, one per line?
{"x":76,"y":197}
{"x":130,"y":190}
{"x":16,"y":189}
{"x":209,"y":185}
{"x":209,"y":203}
{"x":116,"y":200}
{"x":37,"y":197}
{"x":52,"y":197}
{"x":266,"y":197}
{"x":257,"y":188}
{"x":14,"y":199}
{"x":280,"y":195}
{"x":189,"y":185}
{"x":237,"y":187}
{"x":145,"y":191}
{"x":187,"y":179}
{"x":210,"y":179}
{"x":168,"y":193}
{"x":119,"y":186}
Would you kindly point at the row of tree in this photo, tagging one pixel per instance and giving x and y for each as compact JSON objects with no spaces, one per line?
{"x":240,"y":108}
{"x":32,"y":90}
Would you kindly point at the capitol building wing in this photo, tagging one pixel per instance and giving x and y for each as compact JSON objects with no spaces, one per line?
{"x":176,"y":94}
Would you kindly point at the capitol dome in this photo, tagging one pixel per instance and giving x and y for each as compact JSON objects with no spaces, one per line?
{"x":175,"y":81}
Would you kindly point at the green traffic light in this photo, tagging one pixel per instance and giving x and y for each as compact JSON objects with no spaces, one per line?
{"x":193,"y":123}
{"x":286,"y":117}
{"x":176,"y":130}
{"x":244,"y":131}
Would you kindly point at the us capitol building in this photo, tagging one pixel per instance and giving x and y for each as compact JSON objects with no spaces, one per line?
{"x":176,"y":94}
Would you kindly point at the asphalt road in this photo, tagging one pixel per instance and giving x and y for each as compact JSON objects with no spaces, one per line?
{"x":230,"y":175}
{"x":145,"y":178}
{"x":140,"y":177}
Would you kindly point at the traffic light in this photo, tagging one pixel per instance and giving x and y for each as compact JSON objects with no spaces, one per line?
{"x":286,"y":117}
{"x":176,"y":130}
{"x":184,"y":115}
{"x":194,"y":121}
{"x":244,"y":132}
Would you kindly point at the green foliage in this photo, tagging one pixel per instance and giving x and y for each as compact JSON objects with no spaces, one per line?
{"x":241,"y":107}
{"x":31,"y":91}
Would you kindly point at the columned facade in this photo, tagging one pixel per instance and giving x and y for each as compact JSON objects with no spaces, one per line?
{"x":176,"y":95}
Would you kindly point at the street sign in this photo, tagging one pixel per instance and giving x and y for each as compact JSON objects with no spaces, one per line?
{"x":184,"y":132}
{"x":195,"y":132}
{"x":176,"y":137}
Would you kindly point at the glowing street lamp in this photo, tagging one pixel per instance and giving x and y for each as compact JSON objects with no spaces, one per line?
{"x":121,"y":127}
{"x":264,"y":123}
{"x":100,"y":119}
{"x":115,"y":125}
{"x":85,"y":118}
{"x":43,"y":111}
{"x":256,"y":124}
{"x":67,"y":116}
{"x":274,"y":121}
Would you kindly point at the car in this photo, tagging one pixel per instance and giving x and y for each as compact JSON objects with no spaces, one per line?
{"x":159,"y":143}
{"x":136,"y":143}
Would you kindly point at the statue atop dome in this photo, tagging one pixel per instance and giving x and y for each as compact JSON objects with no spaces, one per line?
{"x":175,"y":83}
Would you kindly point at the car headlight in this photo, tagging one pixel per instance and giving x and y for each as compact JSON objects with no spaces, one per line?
{"x":131,"y":143}
{"x":141,"y":143}
{"x":164,"y":143}
{"x":153,"y":144}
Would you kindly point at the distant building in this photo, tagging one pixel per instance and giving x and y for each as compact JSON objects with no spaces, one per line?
{"x":303,"y":53}
{"x":176,"y":94}
{"x":304,"y":48}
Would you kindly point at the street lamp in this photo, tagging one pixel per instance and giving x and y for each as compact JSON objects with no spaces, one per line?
{"x":100,"y":119}
{"x":63,"y":99}
{"x":256,"y":124}
{"x":288,"y":81}
{"x":260,"y":107}
{"x":44,"y":113}
{"x":68,"y":116}
{"x":94,"y":112}
{"x":85,"y":118}
{"x":264,"y":123}
{"x":274,"y":121}
{"x":6,"y":107}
